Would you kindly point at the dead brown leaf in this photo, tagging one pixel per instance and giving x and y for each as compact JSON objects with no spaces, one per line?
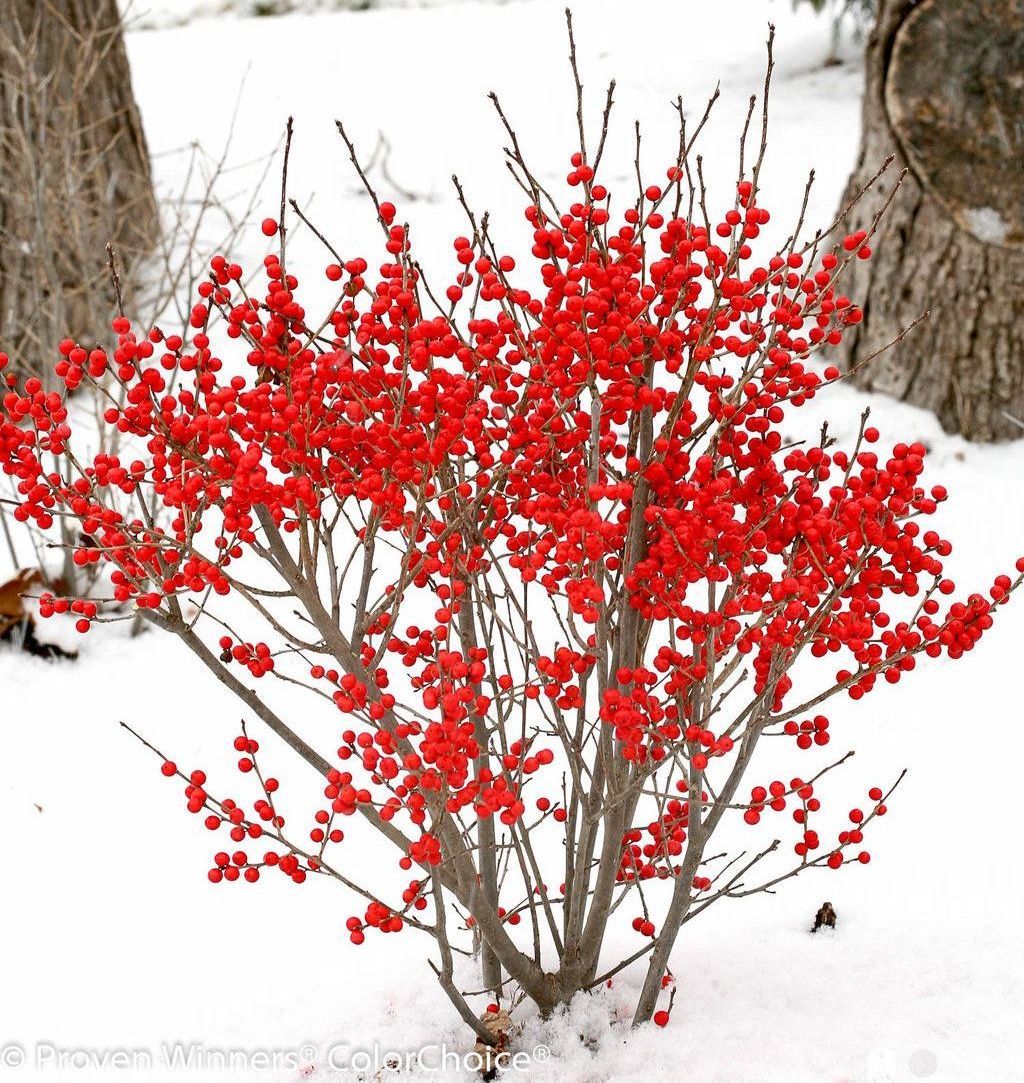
{"x":500,"y":1025}
{"x":12,"y":602}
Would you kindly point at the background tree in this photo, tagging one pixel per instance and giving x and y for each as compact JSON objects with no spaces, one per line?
{"x":944,"y":93}
{"x":74,"y":171}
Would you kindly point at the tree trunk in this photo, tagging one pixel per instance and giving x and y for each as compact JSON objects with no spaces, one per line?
{"x":74,"y":173}
{"x":944,"y":93}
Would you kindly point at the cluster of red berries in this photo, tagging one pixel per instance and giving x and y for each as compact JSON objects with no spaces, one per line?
{"x":256,"y":657}
{"x":809,"y":732}
{"x":609,"y":433}
{"x":265,"y":823}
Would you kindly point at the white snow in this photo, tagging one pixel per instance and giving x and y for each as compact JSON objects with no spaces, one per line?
{"x":112,"y":938}
{"x":987,"y":224}
{"x":161,"y":14}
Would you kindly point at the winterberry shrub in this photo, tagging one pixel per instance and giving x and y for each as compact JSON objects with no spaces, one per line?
{"x":538,"y":541}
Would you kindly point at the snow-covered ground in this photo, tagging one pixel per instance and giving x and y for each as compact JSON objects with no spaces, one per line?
{"x":161,"y":14}
{"x":112,"y":938}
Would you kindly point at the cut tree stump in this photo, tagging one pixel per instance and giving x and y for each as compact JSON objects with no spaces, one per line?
{"x":944,"y":93}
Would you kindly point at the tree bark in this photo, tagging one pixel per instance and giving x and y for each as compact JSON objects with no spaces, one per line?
{"x":944,"y":93}
{"x":74,"y":173}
